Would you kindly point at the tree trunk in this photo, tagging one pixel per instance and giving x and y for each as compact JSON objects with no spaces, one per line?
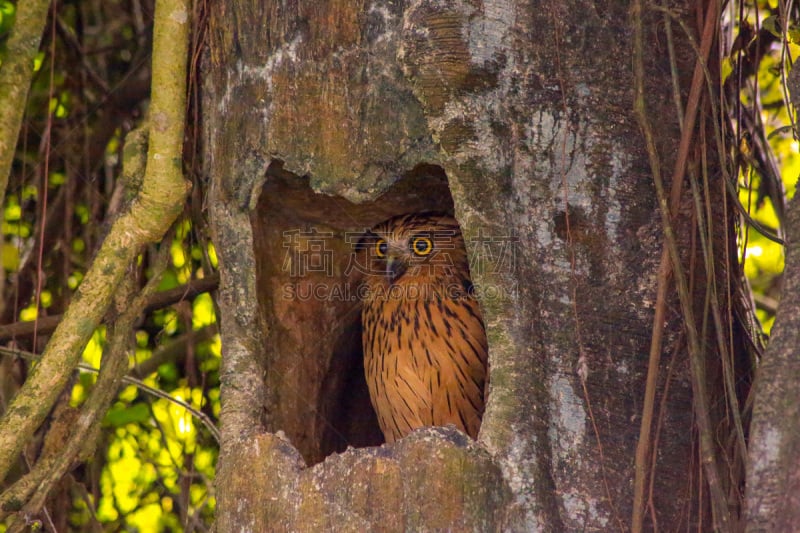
{"x":322,"y":119}
{"x":773,"y":477}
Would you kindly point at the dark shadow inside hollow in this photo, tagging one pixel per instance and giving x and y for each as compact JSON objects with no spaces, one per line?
{"x":308,"y":287}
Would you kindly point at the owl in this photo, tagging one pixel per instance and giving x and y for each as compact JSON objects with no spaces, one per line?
{"x":425,"y":351}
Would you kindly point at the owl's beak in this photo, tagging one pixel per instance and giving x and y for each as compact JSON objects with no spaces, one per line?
{"x":395,"y":267}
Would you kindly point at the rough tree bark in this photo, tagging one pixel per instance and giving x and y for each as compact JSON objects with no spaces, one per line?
{"x":773,"y":478}
{"x":324,"y":118}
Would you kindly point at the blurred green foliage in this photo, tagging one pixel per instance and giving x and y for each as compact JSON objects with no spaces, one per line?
{"x":153,"y":468}
{"x":7,"y":16}
{"x":764,"y":258}
{"x":157,"y":455}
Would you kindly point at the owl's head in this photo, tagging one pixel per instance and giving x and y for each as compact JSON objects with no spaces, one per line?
{"x":415,"y":249}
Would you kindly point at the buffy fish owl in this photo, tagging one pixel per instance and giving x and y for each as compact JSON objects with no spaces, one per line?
{"x":425,"y":351}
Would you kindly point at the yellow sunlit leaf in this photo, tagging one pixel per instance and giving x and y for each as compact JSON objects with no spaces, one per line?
{"x":204,"y":460}
{"x":128,"y":394}
{"x":203,"y":311}
{"x":755,"y":251}
{"x":197,"y":493}
{"x":46,"y":299}
{"x":10,"y":257}
{"x":178,"y":257}
{"x":37,"y":61}
{"x":83,"y":213}
{"x":78,"y":245}
{"x":13,"y":213}
{"x":74,"y":280}
{"x":182,"y":230}
{"x":184,"y":274}
{"x":57,"y":178}
{"x":170,"y":324}
{"x":94,"y":349}
{"x":142,"y":337}
{"x":147,"y":518}
{"x":212,"y":255}
{"x":77,"y":395}
{"x":727,"y":68}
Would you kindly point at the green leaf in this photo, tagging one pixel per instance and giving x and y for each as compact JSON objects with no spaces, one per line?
{"x":771,"y":25}
{"x":121,"y":416}
{"x":780,"y":131}
{"x":7,"y":16}
{"x":794,"y":34}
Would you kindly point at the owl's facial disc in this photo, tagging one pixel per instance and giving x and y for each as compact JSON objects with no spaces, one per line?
{"x":395,"y":267}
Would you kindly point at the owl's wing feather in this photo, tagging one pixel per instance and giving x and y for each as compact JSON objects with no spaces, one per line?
{"x":414,"y":397}
{"x":461,"y":366}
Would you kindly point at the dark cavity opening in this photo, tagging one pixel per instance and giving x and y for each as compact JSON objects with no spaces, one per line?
{"x":313,"y":361}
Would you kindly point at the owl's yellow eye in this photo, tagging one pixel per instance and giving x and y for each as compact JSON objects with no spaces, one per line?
{"x":380,"y":248}
{"x":421,"y":245}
